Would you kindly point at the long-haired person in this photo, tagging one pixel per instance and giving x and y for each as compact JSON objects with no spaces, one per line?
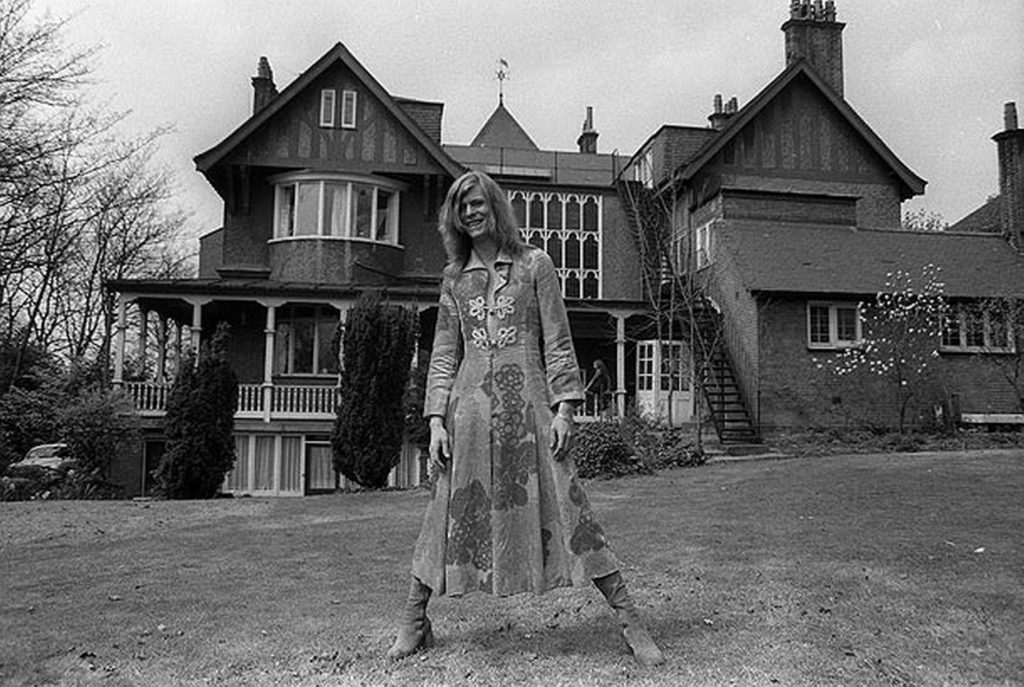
{"x":507,"y":512}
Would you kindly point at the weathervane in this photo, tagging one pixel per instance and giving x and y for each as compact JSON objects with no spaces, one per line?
{"x":502,"y":74}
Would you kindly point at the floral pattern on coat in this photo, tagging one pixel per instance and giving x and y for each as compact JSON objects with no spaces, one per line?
{"x":505,"y":516}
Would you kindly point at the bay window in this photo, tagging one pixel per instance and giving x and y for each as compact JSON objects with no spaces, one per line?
{"x":338,"y":206}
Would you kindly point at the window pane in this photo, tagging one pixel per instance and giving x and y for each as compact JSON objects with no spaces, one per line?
{"x":951,"y":330}
{"x":327,"y":362}
{"x":572,"y":251}
{"x":590,"y":253}
{"x":555,"y":249}
{"x":291,"y":464}
{"x":536,"y":212}
{"x":301,"y":354}
{"x":572,"y":213}
{"x":308,"y":208}
{"x":335,"y":209}
{"x":382,"y":231}
{"x":819,"y":324}
{"x":572,"y":286}
{"x":846,"y":324}
{"x":975,"y":328}
{"x":327,"y":107}
{"x":590,"y":285}
{"x":590,"y":215}
{"x":282,"y":348}
{"x":519,"y":208}
{"x":555,"y":212}
{"x":998,"y":336}
{"x":264,"y":464}
{"x":361,"y":209}
{"x":348,"y":108}
{"x":286,"y":210}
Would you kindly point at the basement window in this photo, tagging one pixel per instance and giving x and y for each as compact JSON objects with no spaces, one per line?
{"x":833,"y":325}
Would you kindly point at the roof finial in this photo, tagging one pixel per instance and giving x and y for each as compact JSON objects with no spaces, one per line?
{"x":502,"y":74}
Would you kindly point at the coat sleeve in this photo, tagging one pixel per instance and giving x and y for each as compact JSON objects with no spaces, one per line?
{"x":563,"y":372}
{"x":445,"y":355}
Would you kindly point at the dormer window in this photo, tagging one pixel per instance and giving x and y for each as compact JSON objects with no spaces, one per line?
{"x":309,"y":204}
{"x":348,"y":109}
{"x":328,"y":96}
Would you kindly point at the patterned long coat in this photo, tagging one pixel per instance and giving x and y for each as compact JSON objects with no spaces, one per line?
{"x":505,"y":517}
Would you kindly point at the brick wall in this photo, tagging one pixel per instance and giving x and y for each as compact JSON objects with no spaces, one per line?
{"x":211,"y":250}
{"x":794,"y":392}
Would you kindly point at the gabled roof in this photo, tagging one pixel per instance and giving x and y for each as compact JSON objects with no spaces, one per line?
{"x":913,"y":184}
{"x":800,"y":258}
{"x":501,"y":130}
{"x":339,"y":53}
{"x":985,"y":219}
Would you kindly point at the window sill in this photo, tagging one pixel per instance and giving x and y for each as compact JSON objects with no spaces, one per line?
{"x":833,"y":346}
{"x":300,"y":377}
{"x":315,"y":237}
{"x":975,"y":350}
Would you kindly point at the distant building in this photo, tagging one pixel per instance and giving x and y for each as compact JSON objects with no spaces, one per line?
{"x":786,"y":211}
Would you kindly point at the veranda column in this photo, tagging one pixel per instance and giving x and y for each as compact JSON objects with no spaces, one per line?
{"x":620,"y":364}
{"x":269,"y":338}
{"x":119,"y":336}
{"x":161,"y":349}
{"x":143,"y":339}
{"x":197,"y":323}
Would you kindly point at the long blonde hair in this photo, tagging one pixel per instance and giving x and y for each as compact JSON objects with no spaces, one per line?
{"x":457,"y":243}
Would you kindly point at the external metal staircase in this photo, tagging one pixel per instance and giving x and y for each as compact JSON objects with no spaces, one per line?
{"x":649,"y":219}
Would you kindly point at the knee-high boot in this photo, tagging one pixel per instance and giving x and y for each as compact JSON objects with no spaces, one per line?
{"x":415,"y":632}
{"x":640,"y":643}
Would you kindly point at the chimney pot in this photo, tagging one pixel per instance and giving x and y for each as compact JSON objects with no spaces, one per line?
{"x":1010,"y":116}
{"x":263,"y":88}
{"x":587,"y":140}
{"x":718,"y":103}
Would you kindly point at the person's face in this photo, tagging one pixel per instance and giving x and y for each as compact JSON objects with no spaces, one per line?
{"x":475,"y":213}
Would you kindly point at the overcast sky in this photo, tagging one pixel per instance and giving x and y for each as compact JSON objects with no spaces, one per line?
{"x":929,"y":76}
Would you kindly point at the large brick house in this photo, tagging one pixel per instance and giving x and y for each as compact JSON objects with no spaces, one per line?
{"x":786,"y":213}
{"x":789,"y":209}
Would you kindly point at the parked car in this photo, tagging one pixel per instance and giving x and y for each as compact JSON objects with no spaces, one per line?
{"x":43,"y":458}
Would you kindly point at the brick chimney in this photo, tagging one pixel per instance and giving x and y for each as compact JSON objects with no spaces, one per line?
{"x":1010,"y":148}
{"x":588,"y":138}
{"x":813,"y":34}
{"x":263,"y":88}
{"x":722,"y":113}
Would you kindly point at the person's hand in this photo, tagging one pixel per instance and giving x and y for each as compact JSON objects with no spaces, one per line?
{"x":562,"y":428}
{"x":440,"y":449}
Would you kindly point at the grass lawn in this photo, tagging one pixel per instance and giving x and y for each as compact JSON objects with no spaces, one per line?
{"x":902,"y":569}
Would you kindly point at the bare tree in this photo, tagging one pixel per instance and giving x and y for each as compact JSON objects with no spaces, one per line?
{"x":79,"y":204}
{"x":678,"y":302}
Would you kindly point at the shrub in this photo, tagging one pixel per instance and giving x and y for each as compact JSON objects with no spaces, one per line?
{"x":368,"y":430}
{"x":600,"y":450}
{"x":96,"y":427}
{"x":200,"y":415}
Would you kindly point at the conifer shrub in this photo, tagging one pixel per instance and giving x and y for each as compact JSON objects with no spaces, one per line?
{"x":201,"y":407}
{"x":369,"y":427}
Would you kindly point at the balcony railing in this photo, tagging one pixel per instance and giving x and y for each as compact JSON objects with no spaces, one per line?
{"x":296,"y":402}
{"x":254,"y":400}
